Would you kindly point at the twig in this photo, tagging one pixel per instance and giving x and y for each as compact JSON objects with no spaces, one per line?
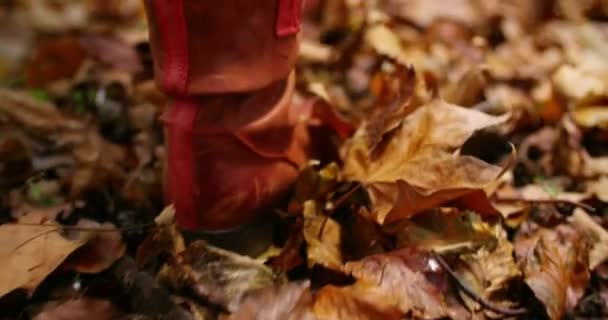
{"x":338,"y":203}
{"x":547,"y":201}
{"x":473,"y":295}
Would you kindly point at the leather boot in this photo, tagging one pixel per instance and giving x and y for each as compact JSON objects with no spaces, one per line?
{"x":232,"y":157}
{"x":234,"y":139}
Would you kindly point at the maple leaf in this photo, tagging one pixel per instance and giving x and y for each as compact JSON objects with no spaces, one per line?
{"x":419,"y":167}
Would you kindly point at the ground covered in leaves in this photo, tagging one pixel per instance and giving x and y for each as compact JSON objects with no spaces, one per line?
{"x":466,"y":173}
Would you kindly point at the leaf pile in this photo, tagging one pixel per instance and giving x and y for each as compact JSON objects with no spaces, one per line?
{"x":464,"y":171}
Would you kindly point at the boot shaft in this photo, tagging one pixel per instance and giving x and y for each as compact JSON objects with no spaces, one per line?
{"x":208,"y":47}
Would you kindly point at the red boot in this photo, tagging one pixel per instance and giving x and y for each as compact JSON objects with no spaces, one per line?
{"x":233,"y":137}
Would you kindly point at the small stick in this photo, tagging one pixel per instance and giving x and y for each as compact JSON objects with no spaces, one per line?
{"x":473,"y":295}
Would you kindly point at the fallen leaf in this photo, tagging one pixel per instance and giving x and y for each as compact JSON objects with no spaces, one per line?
{"x":598,"y":236}
{"x":290,"y":256}
{"x":335,"y":303}
{"x":385,"y":42}
{"x":32,"y":250}
{"x":34,"y":115}
{"x":446,"y":231}
{"x":397,"y":280}
{"x":323,"y":238}
{"x":100,"y":252}
{"x":591,"y":116}
{"x":112,"y":52}
{"x":218,"y":275}
{"x":418,"y":169}
{"x":98,"y":162}
{"x":587,"y":85}
{"x":288,"y":302}
{"x":82,"y":308}
{"x":556,"y":268}
{"x":53,"y":60}
{"x":489,"y":270}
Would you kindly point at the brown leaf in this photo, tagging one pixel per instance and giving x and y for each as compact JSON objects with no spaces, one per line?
{"x":102,"y":250}
{"x":112,"y":52}
{"x":55,"y":59}
{"x":31,"y":251}
{"x":396,"y":280}
{"x":290,"y":256}
{"x":220,"y":276}
{"x":446,"y":231}
{"x":99,"y":162}
{"x":596,"y":234}
{"x":166,"y":239}
{"x":334,"y":303}
{"x":34,"y":115}
{"x":489,"y":270}
{"x":15,"y":162}
{"x":289,"y":302}
{"x":418,"y":169}
{"x":323,"y":236}
{"x":83,"y":308}
{"x":556,"y":268}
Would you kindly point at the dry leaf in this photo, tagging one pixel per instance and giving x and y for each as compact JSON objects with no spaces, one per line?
{"x":100,"y":252}
{"x":556,"y":268}
{"x":83,"y":308}
{"x":34,"y":115}
{"x":598,"y":236}
{"x":396,"y":280}
{"x":446,"y":231}
{"x":289,"y":302}
{"x":323,"y":237}
{"x":489,"y":270}
{"x":334,"y":303}
{"x":419,"y":168}
{"x":218,"y":275}
{"x":32,"y":250}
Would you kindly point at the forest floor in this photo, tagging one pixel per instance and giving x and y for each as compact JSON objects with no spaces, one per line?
{"x":466,"y":175}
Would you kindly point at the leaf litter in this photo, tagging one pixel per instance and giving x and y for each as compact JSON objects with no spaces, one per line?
{"x":466,"y":176}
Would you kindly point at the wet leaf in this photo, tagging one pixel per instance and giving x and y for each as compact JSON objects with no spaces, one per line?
{"x":418,"y":169}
